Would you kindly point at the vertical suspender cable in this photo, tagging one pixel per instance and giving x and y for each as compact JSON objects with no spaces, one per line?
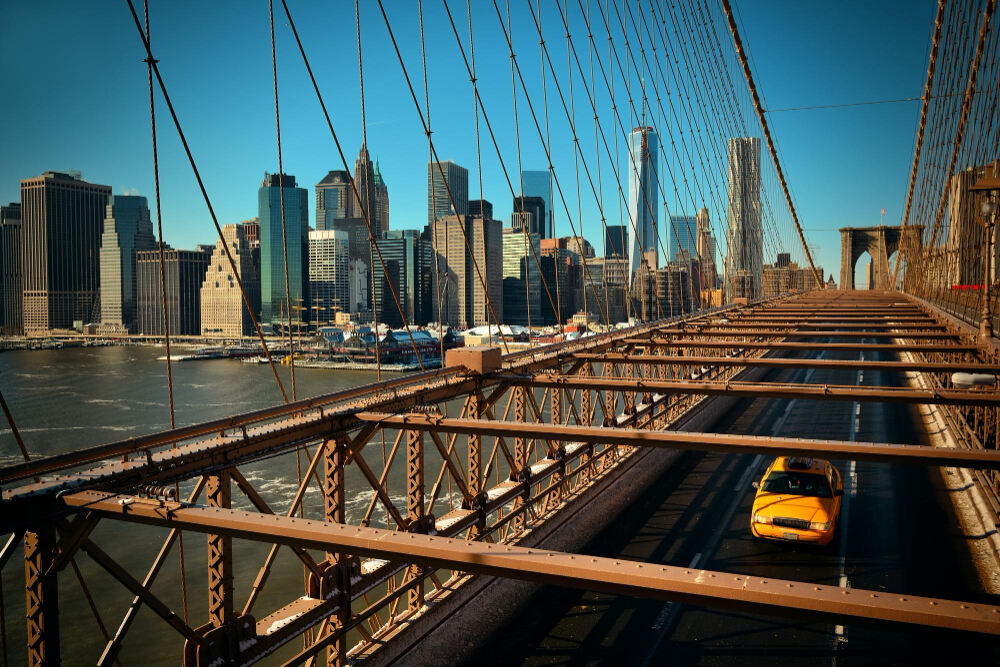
{"x":970,"y":91}
{"x":163,"y":289}
{"x":336,"y":140}
{"x":367,"y":207}
{"x":767,"y":133}
{"x":430,"y":185}
{"x":281,"y":199}
{"x":932,"y":63}
{"x":208,"y":202}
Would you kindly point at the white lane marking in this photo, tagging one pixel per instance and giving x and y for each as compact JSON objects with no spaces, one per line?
{"x":850,"y":490}
{"x":741,"y":483}
{"x":670,"y":610}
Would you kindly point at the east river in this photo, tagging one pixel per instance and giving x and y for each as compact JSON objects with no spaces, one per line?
{"x":67,"y":399}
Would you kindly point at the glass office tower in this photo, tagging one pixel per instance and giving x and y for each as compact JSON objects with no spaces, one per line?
{"x":643,"y":197}
{"x":683,"y":236}
{"x":273,"y":308}
{"x":535,"y":183}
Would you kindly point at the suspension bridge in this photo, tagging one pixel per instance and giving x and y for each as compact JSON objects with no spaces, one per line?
{"x":488,"y":477}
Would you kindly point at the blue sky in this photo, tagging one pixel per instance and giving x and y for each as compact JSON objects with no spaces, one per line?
{"x":76,"y":98}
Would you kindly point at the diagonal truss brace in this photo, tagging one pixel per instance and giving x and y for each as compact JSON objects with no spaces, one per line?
{"x":690,"y":586}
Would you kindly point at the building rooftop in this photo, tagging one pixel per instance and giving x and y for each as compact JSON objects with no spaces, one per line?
{"x":335,"y":177}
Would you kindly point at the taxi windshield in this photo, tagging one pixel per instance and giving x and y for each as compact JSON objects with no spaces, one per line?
{"x":797,"y":484}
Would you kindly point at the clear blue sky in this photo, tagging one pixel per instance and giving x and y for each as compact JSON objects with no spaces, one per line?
{"x":75,"y":97}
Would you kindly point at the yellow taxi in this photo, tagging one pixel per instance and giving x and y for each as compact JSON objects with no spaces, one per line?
{"x":798,"y":500}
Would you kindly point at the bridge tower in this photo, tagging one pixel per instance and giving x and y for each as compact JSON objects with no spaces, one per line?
{"x":880,"y":242}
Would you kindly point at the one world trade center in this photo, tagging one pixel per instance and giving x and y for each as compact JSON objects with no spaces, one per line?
{"x":644,"y":147}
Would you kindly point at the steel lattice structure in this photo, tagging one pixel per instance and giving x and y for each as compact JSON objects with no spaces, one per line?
{"x":534,"y":432}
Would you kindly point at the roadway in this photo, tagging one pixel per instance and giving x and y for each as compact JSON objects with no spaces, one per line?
{"x":893,"y":535}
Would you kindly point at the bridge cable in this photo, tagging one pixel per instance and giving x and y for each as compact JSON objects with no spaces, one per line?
{"x":284,"y":229}
{"x":365,"y":214}
{"x":430,"y":185}
{"x":661,"y":114}
{"x":468,"y":243}
{"x":366,"y":206}
{"x":201,"y":185}
{"x":966,"y":107}
{"x":163,"y":293}
{"x":546,"y":145}
{"x":635,"y":166}
{"x":767,"y":134}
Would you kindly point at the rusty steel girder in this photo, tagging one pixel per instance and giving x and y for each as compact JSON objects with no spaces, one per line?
{"x":788,"y":332}
{"x":782,"y":362}
{"x":718,"y":442}
{"x":791,"y":345}
{"x":726,"y":590}
{"x":766,"y":389}
{"x":574,"y":413}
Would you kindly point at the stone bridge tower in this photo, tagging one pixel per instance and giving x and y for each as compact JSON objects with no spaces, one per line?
{"x":880,"y":242}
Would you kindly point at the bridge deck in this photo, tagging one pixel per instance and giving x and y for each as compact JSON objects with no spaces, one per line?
{"x":511,"y":446}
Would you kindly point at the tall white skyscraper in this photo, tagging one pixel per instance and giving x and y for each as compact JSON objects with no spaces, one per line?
{"x":643,"y":197}
{"x":744,"y":232}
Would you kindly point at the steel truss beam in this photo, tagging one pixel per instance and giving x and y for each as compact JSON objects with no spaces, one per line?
{"x":717,"y":442}
{"x":769,"y":323}
{"x":397,"y":394}
{"x":786,"y":332}
{"x":765,"y":389}
{"x":779,"y":362}
{"x":782,"y":345}
{"x":684,"y":585}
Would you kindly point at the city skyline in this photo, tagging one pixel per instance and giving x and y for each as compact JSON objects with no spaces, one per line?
{"x":228,"y":160}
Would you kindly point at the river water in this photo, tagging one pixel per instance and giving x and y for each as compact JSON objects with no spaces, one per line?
{"x":66,"y":399}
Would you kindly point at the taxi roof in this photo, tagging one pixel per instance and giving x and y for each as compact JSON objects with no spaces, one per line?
{"x":800,"y":464}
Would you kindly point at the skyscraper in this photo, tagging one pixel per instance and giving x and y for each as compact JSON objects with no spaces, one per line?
{"x":535,"y":183}
{"x":481,"y":207}
{"x":251,"y":228}
{"x":615,"y":241}
{"x":381,"y":201}
{"x":61,"y":216}
{"x":456,"y":180}
{"x":183,"y":274}
{"x":127,"y":230}
{"x":329,"y":281}
{"x":359,"y":291}
{"x":463,"y":298}
{"x":408,"y":266}
{"x":10,"y":269}
{"x":706,"y":250}
{"x":562,"y":269}
{"x":333,"y":199}
{"x":522,"y":285}
{"x":274,"y":310}
{"x":683,"y":236}
{"x":536,"y":207}
{"x":744,"y":233}
{"x":364,"y":204}
{"x":643,"y":202}
{"x":223,"y":311}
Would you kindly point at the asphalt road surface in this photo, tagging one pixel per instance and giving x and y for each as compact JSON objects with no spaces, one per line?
{"x":893,"y":535}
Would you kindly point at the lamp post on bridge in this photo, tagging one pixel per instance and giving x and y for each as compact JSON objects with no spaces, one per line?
{"x":989,"y":187}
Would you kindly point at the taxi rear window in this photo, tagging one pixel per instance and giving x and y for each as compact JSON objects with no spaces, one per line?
{"x":797,"y":484}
